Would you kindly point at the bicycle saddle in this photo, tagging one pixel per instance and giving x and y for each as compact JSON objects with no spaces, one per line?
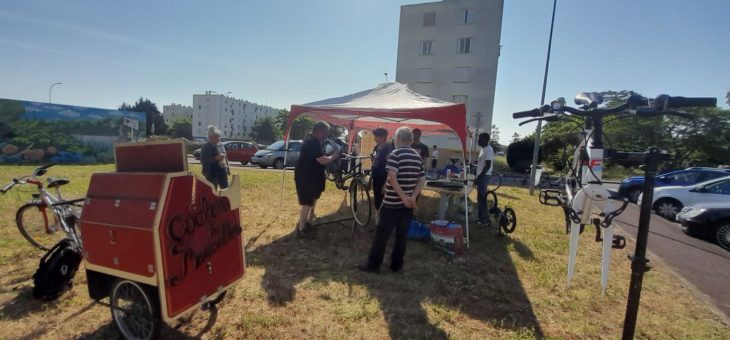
{"x":588,"y":99}
{"x":56,"y":182}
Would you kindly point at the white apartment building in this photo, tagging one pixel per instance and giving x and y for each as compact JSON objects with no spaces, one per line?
{"x":234,"y":117}
{"x":449,"y":50}
{"x":175,"y":112}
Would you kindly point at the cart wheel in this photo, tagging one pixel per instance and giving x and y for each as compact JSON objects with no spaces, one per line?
{"x":135,"y":310}
{"x":208,"y":305}
{"x":508,"y":220}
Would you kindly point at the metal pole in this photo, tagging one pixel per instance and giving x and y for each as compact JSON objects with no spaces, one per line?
{"x":542,"y":102}
{"x":51,"y":89}
{"x":638,"y":260}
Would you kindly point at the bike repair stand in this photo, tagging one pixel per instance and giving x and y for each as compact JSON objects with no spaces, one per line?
{"x":340,"y":219}
{"x":638,"y":260}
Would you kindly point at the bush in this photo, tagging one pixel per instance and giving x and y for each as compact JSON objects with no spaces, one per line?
{"x":519,"y":154}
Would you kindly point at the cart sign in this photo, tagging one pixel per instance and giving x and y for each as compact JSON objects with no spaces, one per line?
{"x":200,"y":243}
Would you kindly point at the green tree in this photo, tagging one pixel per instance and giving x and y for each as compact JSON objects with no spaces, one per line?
{"x":264,"y":130}
{"x":182,"y":128}
{"x":300,"y":126}
{"x":153,"y":115}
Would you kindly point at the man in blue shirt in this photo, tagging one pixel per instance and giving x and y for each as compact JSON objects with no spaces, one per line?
{"x":380,"y":159}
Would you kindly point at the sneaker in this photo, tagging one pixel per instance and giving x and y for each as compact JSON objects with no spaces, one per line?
{"x":396,"y":269}
{"x":366,"y":268}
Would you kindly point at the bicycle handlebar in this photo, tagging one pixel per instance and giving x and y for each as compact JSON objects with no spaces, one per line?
{"x":664,"y":102}
{"x":531,"y":113}
{"x":643,"y":107}
{"x":9,"y":186}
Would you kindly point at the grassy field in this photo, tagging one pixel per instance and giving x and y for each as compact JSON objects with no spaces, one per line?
{"x":509,"y":287}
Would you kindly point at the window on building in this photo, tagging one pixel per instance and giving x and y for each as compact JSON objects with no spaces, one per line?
{"x":464,"y":45}
{"x":425,"y":75}
{"x":468,"y":15}
{"x":459,"y":99}
{"x":429,"y":19}
{"x":199,"y":123}
{"x":200,"y":107}
{"x":426,"y":47}
{"x":462,"y":74}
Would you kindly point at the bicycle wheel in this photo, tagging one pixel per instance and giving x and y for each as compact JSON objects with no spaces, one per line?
{"x":135,"y":310}
{"x":360,"y":202}
{"x":495,"y":181}
{"x":492,"y":201}
{"x":508,"y":221}
{"x":39,"y":227}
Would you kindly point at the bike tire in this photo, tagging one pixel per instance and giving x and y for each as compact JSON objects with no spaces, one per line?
{"x":34,"y":223}
{"x":135,"y":310}
{"x":495,"y":182}
{"x":360,"y":203}
{"x":509,"y":220}
{"x":492,"y":201}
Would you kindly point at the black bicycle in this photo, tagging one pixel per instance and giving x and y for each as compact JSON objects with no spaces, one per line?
{"x":506,"y":218}
{"x":347,"y":174}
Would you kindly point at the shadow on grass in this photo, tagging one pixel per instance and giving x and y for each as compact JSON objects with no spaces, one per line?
{"x":110,"y":331}
{"x":21,"y":305}
{"x":483,"y":284}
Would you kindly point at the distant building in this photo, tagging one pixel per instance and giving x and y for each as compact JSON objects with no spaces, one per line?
{"x":175,"y":112}
{"x":449,"y":50}
{"x":234,"y":117}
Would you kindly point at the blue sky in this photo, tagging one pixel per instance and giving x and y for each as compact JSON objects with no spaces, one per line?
{"x":289,"y":52}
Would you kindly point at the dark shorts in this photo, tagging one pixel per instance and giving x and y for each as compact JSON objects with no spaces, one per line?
{"x":308,"y":190}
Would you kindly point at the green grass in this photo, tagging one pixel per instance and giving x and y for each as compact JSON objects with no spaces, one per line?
{"x":509,"y":287}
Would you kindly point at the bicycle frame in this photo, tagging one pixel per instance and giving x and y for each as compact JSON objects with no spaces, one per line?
{"x":590,"y":195}
{"x":45,"y":199}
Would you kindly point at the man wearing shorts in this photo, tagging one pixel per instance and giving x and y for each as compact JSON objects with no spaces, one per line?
{"x":309,"y":176}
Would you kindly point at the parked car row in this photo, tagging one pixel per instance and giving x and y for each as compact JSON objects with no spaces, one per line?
{"x":236,"y":151}
{"x":698,"y":198}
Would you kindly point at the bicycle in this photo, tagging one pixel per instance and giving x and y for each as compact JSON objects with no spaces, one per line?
{"x":32,"y":218}
{"x":349,"y":168}
{"x":583,"y":190}
{"x":506,"y":218}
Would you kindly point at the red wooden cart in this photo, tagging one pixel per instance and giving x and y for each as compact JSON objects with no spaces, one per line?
{"x":158,"y":240}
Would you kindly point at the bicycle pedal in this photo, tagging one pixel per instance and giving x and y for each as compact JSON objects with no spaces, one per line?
{"x":619,"y":242}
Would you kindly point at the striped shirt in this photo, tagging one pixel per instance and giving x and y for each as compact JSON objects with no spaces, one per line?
{"x":408,"y":166}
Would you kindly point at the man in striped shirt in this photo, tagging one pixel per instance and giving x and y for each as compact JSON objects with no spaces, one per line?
{"x":405,"y":181}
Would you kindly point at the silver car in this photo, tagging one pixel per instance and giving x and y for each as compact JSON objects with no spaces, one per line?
{"x":273,"y":155}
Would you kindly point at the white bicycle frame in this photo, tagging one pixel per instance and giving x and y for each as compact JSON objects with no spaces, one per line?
{"x":591,"y":196}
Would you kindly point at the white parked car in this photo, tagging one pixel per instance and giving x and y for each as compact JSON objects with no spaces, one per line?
{"x":668,"y":201}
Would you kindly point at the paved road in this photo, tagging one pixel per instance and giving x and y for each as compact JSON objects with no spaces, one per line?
{"x":703,"y":264}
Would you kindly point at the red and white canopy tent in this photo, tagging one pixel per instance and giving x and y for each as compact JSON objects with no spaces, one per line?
{"x":388,"y":105}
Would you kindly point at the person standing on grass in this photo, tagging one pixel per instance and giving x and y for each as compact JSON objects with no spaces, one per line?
{"x":484,"y":172}
{"x":214,"y":160}
{"x":421,"y":148}
{"x":405,"y":181}
{"x":434,"y":158}
{"x":309,"y":177}
{"x":379,"y":174}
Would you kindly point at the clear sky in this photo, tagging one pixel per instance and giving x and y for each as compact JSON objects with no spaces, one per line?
{"x":280,"y":53}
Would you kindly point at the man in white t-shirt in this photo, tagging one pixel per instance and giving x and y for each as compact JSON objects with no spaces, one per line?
{"x":484,"y":171}
{"x":434,"y":158}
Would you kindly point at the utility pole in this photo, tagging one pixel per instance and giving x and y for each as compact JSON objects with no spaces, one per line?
{"x":542,"y":102}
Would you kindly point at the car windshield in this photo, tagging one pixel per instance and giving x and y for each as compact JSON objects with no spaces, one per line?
{"x":276,"y":146}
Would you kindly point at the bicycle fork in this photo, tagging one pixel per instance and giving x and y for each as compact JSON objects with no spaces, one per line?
{"x":588,"y":197}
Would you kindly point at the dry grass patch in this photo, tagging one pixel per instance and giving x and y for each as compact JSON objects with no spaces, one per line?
{"x":505,"y":287}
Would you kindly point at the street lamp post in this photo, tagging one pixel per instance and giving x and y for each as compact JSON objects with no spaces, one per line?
{"x":50,"y":89}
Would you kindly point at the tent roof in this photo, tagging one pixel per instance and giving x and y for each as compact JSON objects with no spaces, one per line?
{"x":389,"y":105}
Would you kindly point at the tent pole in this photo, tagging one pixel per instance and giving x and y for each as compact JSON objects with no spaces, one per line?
{"x":283,"y":170}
